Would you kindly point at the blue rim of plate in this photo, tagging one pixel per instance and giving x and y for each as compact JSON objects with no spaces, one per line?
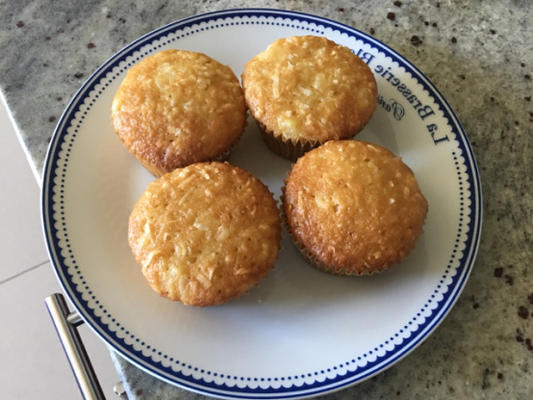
{"x":212,"y":388}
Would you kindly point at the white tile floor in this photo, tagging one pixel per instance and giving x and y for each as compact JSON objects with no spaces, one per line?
{"x":32,"y":362}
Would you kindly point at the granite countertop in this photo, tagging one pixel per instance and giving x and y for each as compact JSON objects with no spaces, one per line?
{"x":479,"y":55}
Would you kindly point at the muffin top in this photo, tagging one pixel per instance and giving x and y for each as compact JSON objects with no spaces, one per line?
{"x":310,"y":88}
{"x":205,"y":233}
{"x":178,"y":107}
{"x":353,"y":207}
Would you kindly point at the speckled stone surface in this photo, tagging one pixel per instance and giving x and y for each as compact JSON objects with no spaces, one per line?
{"x":479,"y":55}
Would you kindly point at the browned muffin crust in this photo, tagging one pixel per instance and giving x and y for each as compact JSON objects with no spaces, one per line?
{"x":353,"y":207}
{"x":308,"y":88}
{"x":205,"y":233}
{"x":178,"y":107}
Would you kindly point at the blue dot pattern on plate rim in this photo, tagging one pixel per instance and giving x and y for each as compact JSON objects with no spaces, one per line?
{"x":180,"y":372}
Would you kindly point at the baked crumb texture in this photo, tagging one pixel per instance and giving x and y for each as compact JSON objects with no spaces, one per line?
{"x":309,"y":89}
{"x":353,"y":207}
{"x":178,"y":107}
{"x":205,"y":233}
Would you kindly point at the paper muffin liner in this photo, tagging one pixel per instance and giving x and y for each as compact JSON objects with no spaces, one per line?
{"x":286,"y":148}
{"x":311,"y":259}
{"x":223,"y":155}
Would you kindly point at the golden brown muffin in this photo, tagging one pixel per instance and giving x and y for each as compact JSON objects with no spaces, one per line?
{"x":353,"y":207}
{"x":306,"y":90}
{"x":178,"y":107}
{"x":205,"y":233}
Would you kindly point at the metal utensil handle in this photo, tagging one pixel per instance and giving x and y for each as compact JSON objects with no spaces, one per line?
{"x":66,"y":324}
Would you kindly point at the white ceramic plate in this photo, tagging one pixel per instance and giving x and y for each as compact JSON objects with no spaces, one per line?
{"x":300,"y":332}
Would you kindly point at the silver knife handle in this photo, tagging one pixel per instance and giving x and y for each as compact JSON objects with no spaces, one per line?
{"x":66,"y":324}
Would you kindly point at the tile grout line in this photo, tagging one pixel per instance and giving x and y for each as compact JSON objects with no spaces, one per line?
{"x":10,"y":278}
